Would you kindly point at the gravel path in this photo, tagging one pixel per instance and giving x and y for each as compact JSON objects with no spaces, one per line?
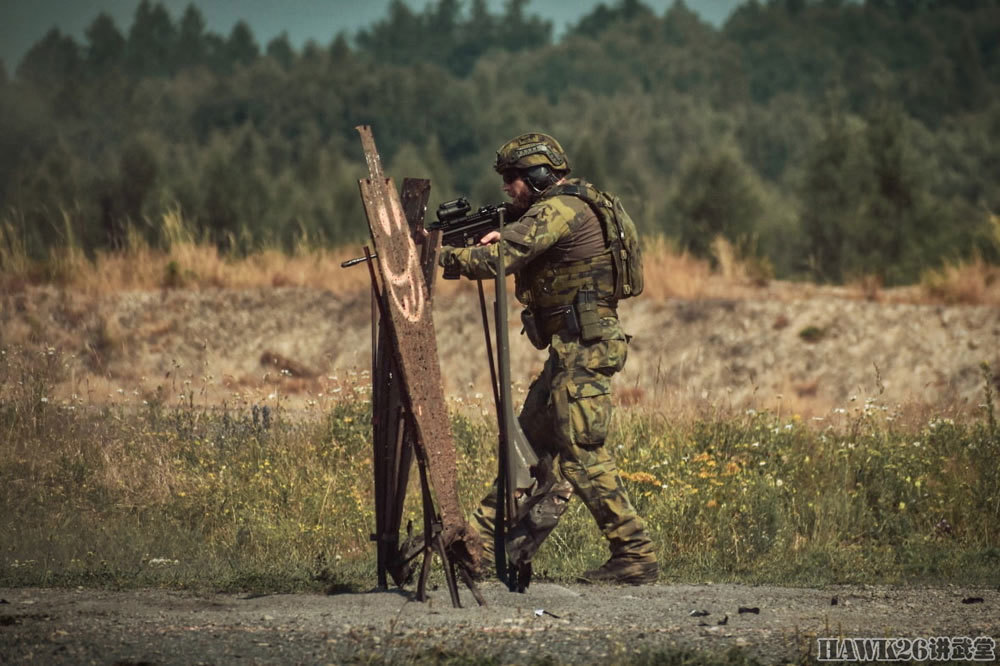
{"x":571,"y":624}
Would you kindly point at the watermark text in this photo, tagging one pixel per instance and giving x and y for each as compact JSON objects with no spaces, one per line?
{"x":933,"y":648}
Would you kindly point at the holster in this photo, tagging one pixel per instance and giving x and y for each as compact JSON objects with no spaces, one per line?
{"x":533,"y":330}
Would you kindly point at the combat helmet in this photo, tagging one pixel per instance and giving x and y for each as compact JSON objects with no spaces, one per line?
{"x":537,"y":157}
{"x":529,"y":150}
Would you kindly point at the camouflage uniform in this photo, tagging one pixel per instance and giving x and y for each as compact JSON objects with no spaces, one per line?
{"x":555,"y":249}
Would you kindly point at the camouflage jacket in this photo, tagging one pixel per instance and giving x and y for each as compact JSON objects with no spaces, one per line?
{"x":554,"y":249}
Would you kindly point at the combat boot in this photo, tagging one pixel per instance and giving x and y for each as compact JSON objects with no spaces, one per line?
{"x":633,"y":560}
{"x":624,"y":570}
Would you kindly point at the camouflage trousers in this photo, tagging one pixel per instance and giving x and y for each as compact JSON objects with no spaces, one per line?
{"x":566,"y":415}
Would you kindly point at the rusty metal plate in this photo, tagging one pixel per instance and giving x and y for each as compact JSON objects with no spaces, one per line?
{"x":409,"y":308}
{"x":416,"y":192}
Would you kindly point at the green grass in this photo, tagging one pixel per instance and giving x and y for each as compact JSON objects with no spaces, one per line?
{"x":181,"y":495}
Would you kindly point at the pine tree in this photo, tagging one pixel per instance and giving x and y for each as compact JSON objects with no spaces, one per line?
{"x":191,"y":45}
{"x":241,"y":47}
{"x":52,"y":61}
{"x":151,"y":44}
{"x":280,"y":49}
{"x":105,"y":45}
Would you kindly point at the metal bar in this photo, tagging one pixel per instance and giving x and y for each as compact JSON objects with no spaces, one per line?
{"x":378,"y":442}
{"x":500,"y":521}
{"x":425,"y":569}
{"x":356,"y":261}
{"x":517,"y":458}
{"x":395,"y":498}
{"x":374,"y":312}
{"x":507,"y":471}
{"x":449,"y":572}
{"x":505,"y":487}
{"x":471,"y":584}
{"x":403,"y":460}
{"x":430,"y":533}
{"x":489,"y":349}
{"x":391,"y":436}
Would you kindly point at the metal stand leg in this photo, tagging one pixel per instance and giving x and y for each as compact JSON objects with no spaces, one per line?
{"x":433,"y":544}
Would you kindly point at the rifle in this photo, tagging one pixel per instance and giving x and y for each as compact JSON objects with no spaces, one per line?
{"x":460,"y":226}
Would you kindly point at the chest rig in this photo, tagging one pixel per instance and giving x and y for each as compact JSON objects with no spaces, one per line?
{"x":571,"y":287}
{"x":580,"y":261}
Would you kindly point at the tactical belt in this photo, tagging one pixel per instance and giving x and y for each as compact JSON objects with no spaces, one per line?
{"x":563,"y":318}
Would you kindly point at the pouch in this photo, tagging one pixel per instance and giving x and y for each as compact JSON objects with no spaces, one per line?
{"x":587,"y":316}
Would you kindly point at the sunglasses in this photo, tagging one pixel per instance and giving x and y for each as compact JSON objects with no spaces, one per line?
{"x":510,"y":176}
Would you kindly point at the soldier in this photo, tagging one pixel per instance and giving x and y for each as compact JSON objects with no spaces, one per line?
{"x":562,"y":265}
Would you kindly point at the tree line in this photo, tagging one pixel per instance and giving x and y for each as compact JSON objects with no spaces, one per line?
{"x":828,"y":139}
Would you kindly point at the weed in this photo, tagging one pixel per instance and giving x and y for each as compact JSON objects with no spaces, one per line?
{"x":988,"y":400}
{"x":244,"y":497}
{"x":175,"y":277}
{"x":812,"y":333}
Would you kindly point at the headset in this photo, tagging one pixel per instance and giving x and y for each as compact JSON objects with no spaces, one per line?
{"x":540,"y":177}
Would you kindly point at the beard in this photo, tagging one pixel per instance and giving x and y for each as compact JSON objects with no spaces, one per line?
{"x":515,"y":210}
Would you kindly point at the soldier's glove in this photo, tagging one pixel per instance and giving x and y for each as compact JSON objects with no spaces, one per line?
{"x":447,"y":259}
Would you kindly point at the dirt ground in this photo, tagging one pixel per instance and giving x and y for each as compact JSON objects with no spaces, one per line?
{"x":573,"y":624}
{"x":797,"y":349}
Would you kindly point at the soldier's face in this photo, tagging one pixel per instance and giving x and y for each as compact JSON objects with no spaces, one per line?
{"x":518,"y":190}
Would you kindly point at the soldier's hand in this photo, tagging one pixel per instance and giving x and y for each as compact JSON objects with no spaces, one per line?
{"x":490,"y":238}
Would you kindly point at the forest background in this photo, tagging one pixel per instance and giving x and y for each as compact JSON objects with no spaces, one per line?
{"x":825,"y":140}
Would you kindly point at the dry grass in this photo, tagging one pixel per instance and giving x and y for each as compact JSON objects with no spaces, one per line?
{"x":184,"y":262}
{"x":971,"y":282}
{"x":191,"y":264}
{"x":187,"y":262}
{"x":672,"y":274}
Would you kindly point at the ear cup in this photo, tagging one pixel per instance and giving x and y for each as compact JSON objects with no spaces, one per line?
{"x":539,"y":177}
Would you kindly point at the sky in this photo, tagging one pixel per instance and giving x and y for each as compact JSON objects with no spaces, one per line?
{"x":24,"y":22}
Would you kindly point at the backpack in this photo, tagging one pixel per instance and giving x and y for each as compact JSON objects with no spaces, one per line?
{"x":620,"y":232}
